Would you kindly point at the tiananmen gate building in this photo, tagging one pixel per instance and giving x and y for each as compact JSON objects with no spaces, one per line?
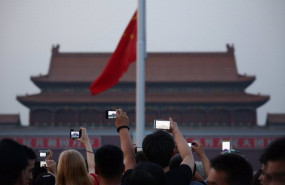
{"x":202,"y":91}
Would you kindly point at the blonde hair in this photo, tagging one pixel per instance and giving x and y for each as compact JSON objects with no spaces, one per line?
{"x":71,"y":169}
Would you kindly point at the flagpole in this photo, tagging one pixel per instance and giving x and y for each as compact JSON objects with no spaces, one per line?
{"x":140,"y":81}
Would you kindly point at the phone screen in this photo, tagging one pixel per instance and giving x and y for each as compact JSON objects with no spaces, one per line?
{"x":110,"y":114}
{"x":138,"y":149}
{"x":74,"y":134}
{"x":43,"y":154}
{"x":190,"y":145}
{"x":226,"y":145}
{"x":43,"y":164}
{"x":162,"y":124}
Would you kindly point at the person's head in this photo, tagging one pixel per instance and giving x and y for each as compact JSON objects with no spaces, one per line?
{"x":29,"y":169}
{"x":274,"y":159}
{"x":72,"y":168}
{"x":230,"y":169}
{"x":13,"y":162}
{"x":262,"y":170}
{"x":140,"y":157}
{"x":44,"y":179}
{"x":158,"y":147}
{"x":147,"y":173}
{"x":109,"y":162}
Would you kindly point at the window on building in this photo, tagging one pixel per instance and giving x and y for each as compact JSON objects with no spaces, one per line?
{"x":219,"y":117}
{"x":66,"y":117}
{"x":90,"y":117}
{"x":245,"y":117}
{"x":41,"y":117}
{"x":194,"y":117}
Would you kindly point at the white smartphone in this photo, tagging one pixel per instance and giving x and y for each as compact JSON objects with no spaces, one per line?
{"x":43,"y":164}
{"x":43,"y":153}
{"x":226,"y":145}
{"x":162,"y":124}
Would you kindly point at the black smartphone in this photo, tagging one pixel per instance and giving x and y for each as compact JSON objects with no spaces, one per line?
{"x":75,"y":134}
{"x":110,"y":114}
{"x":161,"y":124}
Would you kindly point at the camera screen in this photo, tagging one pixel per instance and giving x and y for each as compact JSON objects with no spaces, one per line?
{"x":226,"y":145}
{"x":139,"y":149}
{"x":161,"y":124}
{"x":43,"y":164}
{"x":43,"y":154}
{"x":110,"y":114}
{"x":74,"y":134}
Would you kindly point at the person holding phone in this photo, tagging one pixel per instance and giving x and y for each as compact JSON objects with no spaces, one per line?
{"x":198,"y":148}
{"x":71,"y":167}
{"x":159,"y":147}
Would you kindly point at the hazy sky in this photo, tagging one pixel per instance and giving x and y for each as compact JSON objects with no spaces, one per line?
{"x":29,"y":28}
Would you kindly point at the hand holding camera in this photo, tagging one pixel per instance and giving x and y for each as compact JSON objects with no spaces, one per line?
{"x":122,"y":120}
{"x":173,"y":126}
{"x":83,"y":136}
{"x":49,"y":155}
{"x":51,"y":166}
{"x":198,"y":148}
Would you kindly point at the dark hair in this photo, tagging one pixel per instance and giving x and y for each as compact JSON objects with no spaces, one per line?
{"x":175,"y":161}
{"x":140,"y":157}
{"x":262,"y":159}
{"x":237,"y":168}
{"x":44,"y":179}
{"x":30,"y":152}
{"x":13,"y":159}
{"x":158,"y":147}
{"x":147,"y":173}
{"x":109,"y":161}
{"x":275,"y":151}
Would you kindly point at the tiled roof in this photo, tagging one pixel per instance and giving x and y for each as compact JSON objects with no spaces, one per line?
{"x":276,"y":118}
{"x":160,"y":67}
{"x":127,"y":97}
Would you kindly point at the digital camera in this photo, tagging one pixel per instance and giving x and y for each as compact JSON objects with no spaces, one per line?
{"x":75,"y":134}
{"x":110,"y":114}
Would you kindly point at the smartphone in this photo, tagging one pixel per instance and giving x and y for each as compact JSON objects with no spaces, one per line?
{"x":161,"y":124}
{"x":75,"y":134}
{"x":138,"y":149}
{"x":43,"y":164}
{"x":43,"y":153}
{"x":226,"y":145}
{"x":190,"y":145}
{"x":110,"y":114}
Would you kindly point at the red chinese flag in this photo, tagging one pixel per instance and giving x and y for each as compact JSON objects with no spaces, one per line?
{"x":119,"y":61}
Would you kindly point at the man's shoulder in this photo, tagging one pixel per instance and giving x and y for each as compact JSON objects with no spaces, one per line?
{"x":179,"y":175}
{"x":126,"y":177}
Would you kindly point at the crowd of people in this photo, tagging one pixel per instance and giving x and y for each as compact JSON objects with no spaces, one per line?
{"x":165,"y":159}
